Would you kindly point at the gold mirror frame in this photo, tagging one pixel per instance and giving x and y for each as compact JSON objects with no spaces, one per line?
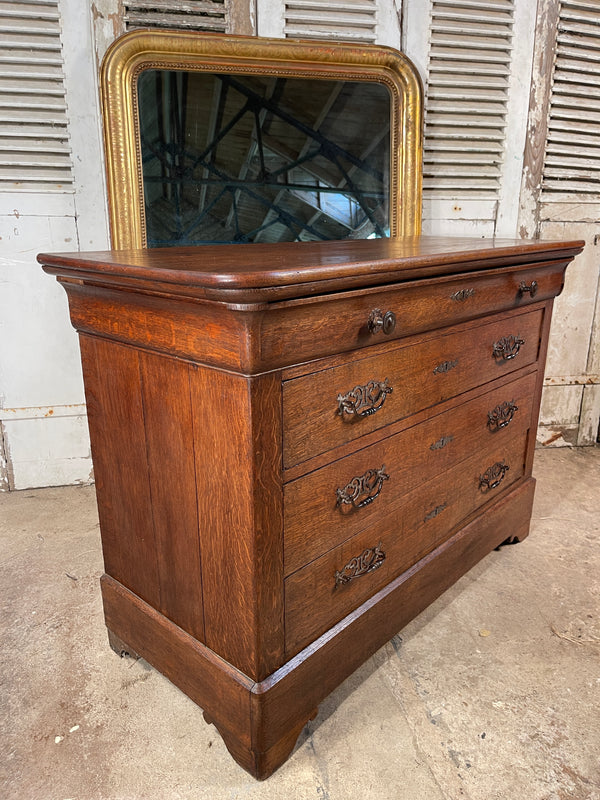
{"x":141,"y":50}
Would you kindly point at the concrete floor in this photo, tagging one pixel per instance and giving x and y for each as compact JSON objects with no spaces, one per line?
{"x":493,"y":692}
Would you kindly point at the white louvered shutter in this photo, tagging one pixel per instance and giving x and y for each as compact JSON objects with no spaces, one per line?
{"x":572,"y":163}
{"x":341,"y":20}
{"x":205,"y":15}
{"x":34,"y":142}
{"x":467,"y":99}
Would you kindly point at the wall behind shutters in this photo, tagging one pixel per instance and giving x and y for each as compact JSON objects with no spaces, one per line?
{"x":208,"y":15}
{"x":369,"y":21}
{"x":561,"y":198}
{"x":51,"y":198}
{"x":476,"y":56}
{"x":34,"y":141}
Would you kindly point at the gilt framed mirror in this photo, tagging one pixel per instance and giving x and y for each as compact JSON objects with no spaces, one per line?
{"x":220,"y":139}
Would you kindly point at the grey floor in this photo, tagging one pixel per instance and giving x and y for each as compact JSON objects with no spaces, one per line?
{"x":493,"y":692}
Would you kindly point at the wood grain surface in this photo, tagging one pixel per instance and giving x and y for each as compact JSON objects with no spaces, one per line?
{"x":212,"y":377}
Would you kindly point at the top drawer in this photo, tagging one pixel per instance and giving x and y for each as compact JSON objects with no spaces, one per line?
{"x":338,"y":323}
{"x":329,"y":408}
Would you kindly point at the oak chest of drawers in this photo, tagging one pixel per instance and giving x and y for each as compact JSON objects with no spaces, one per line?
{"x":298,"y":447}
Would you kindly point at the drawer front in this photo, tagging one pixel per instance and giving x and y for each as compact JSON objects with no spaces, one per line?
{"x":322,"y":593}
{"x":331,"y":324}
{"x":328,"y":408}
{"x":316,"y":518}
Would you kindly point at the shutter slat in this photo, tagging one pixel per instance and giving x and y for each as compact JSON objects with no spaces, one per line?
{"x":572,"y":159}
{"x":202,"y":15}
{"x":35,"y":131}
{"x":31,"y":101}
{"x":10,"y":144}
{"x":486,"y":149}
{"x":472,"y":135}
{"x":22,"y":173}
{"x":469,"y":69}
{"x":28,"y":86}
{"x":562,"y":150}
{"x":460,"y":157}
{"x":331,"y":19}
{"x":464,"y":93}
{"x":464,"y":107}
{"x":571,"y":92}
{"x":436,"y":182}
{"x":34,"y":142}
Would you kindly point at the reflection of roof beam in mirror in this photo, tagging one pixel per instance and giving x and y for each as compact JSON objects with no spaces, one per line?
{"x":304,"y":158}
{"x":305,"y":152}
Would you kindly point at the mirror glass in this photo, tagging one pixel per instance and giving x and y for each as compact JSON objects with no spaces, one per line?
{"x":262,"y":158}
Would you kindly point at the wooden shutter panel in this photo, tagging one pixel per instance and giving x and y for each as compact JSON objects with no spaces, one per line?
{"x":204,"y":15}
{"x":345,"y":20}
{"x":34,"y":142}
{"x":469,"y":70}
{"x":572,"y":163}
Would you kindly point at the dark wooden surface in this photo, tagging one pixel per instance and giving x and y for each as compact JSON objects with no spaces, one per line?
{"x":212,"y":378}
{"x":260,"y":722}
{"x":310,"y":501}
{"x":407,"y":533}
{"x":255,"y":272}
{"x":240,"y":510}
{"x":310,"y":402}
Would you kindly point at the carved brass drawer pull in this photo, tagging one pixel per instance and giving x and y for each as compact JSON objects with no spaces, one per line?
{"x":531,"y":289}
{"x":362,"y":490}
{"x":493,"y":476}
{"x":378,"y":321}
{"x":462,"y":295}
{"x":507,"y":347}
{"x":362,"y":401}
{"x":368,"y":561}
{"x":502,"y":415}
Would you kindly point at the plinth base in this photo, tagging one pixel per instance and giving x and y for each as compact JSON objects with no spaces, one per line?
{"x":261,"y":721}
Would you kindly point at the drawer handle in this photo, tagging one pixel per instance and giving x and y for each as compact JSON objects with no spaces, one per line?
{"x":507,"y":347}
{"x":362,"y":401}
{"x":502,"y":415}
{"x":530,"y":289}
{"x":361,"y":491}
{"x":493,"y":476}
{"x":378,"y":321}
{"x":368,"y":561}
{"x":462,"y":295}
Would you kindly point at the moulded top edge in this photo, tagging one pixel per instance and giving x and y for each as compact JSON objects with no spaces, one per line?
{"x":266,"y":268}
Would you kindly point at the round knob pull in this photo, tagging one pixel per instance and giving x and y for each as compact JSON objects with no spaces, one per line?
{"x":378,"y":321}
{"x":528,"y":288}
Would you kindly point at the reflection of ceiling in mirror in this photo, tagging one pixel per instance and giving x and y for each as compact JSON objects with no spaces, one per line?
{"x":251,"y":158}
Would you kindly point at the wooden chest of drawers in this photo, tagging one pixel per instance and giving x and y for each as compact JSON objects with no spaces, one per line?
{"x":298,"y":447}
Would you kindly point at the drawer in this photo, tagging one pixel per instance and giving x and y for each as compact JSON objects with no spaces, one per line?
{"x":339,"y":323}
{"x":328,"y":408}
{"x":314,"y":520}
{"x":322,"y":593}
